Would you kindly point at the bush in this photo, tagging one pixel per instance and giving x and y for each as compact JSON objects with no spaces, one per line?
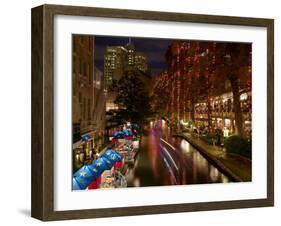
{"x":238,"y":145}
{"x":212,"y":138}
{"x":208,"y":139}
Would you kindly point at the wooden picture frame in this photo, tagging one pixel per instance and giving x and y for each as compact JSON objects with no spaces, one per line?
{"x":42,"y":203}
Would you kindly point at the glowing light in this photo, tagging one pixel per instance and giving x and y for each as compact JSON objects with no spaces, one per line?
{"x":224,"y":179}
{"x":77,"y":157}
{"x":170,"y":169}
{"x":243,"y":96}
{"x":227,"y":122}
{"x":168,"y":144}
{"x":183,"y":123}
{"x":185,"y":146}
{"x":214,"y":173}
{"x":136,"y":144}
{"x":226,"y":132}
{"x":136,"y":182}
{"x":170,"y":157}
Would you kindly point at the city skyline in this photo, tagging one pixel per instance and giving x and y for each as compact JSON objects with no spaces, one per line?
{"x":153,"y":48}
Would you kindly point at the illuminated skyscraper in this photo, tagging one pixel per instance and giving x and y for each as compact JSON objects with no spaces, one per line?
{"x":114,"y":60}
{"x":141,"y":62}
{"x":117,"y":61}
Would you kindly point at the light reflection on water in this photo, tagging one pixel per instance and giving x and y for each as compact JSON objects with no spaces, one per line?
{"x":185,"y":146}
{"x":183,"y":165}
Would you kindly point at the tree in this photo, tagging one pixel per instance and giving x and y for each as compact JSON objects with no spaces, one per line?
{"x":234,"y":59}
{"x":132,"y":98}
{"x":198,"y":72}
{"x":161,"y":94}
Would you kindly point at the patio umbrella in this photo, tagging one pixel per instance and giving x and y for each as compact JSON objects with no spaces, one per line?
{"x":129,"y":138}
{"x":89,"y":173}
{"x":104,"y":163}
{"x":75,"y":184}
{"x":117,"y":165}
{"x":128,"y":133}
{"x":83,"y":170}
{"x":122,"y":134}
{"x":119,"y":136}
{"x":81,"y":182}
{"x":84,"y":176}
{"x":85,"y":138}
{"x":114,"y":140}
{"x":95,"y":184}
{"x":118,"y":133}
{"x":112,"y":155}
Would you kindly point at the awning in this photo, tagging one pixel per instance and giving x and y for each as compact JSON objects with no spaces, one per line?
{"x":122,"y":134}
{"x":89,"y":173}
{"x":112,"y":155}
{"x":86,"y":138}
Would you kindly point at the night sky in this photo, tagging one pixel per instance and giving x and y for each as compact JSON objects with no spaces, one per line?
{"x":154,"y":49}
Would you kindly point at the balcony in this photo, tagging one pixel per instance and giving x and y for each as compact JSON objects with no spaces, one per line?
{"x":229,"y":115}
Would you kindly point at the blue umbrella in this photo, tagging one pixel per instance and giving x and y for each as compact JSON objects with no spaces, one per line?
{"x":75,"y":184}
{"x":117,"y":133}
{"x":103,"y":163}
{"x":127,"y":133}
{"x":82,"y":182}
{"x":84,"y":170}
{"x":122,"y":134}
{"x":85,"y":138}
{"x":88,"y":173}
{"x":97,"y":171}
{"x":112,"y":155}
{"x":83,"y":177}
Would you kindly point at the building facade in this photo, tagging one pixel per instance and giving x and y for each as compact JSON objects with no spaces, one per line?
{"x":99,"y":109}
{"x":199,"y":91}
{"x":82,"y":92}
{"x":223,"y":115}
{"x":88,"y":101}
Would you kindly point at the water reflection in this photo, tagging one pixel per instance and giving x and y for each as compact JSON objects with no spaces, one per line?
{"x":185,"y":146}
{"x":166,"y":160}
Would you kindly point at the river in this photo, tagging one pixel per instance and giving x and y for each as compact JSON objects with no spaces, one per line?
{"x":167,"y":160}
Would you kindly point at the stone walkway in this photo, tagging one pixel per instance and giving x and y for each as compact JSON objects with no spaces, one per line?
{"x":235,"y":166}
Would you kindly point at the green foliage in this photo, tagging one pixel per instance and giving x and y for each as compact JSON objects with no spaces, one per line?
{"x":208,"y":139}
{"x":133,"y":99}
{"x":212,"y":139}
{"x":238,"y":145}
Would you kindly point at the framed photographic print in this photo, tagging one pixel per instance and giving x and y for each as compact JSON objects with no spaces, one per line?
{"x":141,"y":112}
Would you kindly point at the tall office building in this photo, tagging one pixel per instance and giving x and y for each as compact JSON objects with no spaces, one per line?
{"x":114,"y":59}
{"x":141,"y":62}
{"x":117,"y":61}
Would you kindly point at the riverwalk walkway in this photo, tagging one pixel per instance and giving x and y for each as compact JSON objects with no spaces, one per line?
{"x":235,"y":166}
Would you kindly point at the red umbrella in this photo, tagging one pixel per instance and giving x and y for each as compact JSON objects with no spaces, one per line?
{"x":118,"y":164}
{"x":95,"y":184}
{"x":114,"y":140}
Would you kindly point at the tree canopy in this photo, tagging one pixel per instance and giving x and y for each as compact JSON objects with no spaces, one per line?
{"x":132,"y":98}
